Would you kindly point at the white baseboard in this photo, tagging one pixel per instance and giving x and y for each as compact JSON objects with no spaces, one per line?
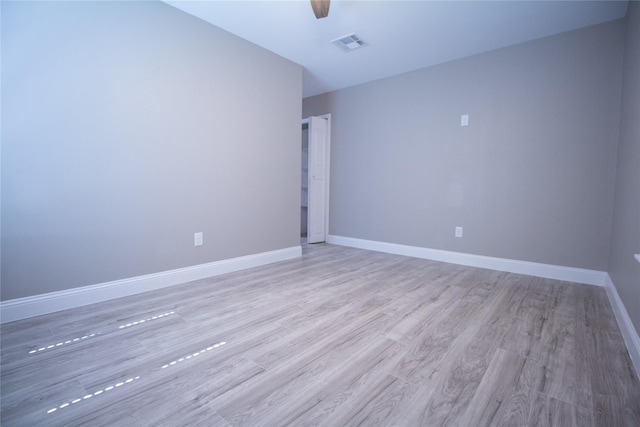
{"x":569,"y":274}
{"x":631,"y":338}
{"x":578,"y":275}
{"x":22,"y":308}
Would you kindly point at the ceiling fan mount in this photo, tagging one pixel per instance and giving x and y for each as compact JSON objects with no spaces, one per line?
{"x":320,"y":8}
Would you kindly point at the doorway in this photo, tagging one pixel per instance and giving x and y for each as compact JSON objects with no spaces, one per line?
{"x":314,"y":212}
{"x":304,"y":192}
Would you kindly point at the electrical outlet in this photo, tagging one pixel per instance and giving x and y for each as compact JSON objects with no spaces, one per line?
{"x":464,"y":120}
{"x":198,"y":239}
{"x":458,"y":231}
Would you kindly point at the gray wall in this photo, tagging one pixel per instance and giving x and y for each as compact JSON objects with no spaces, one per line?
{"x":530,"y":178}
{"x":623,"y":268}
{"x":127,"y":127}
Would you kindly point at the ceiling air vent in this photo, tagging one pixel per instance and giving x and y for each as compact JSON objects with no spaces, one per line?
{"x":349,"y":42}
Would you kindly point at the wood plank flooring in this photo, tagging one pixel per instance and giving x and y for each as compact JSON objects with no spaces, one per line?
{"x":340,"y":337}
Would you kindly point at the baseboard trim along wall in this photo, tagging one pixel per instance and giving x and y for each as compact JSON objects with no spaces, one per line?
{"x":629,"y":333}
{"x":569,"y":274}
{"x":22,"y":308}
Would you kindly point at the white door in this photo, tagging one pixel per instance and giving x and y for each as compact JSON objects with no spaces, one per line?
{"x":318,"y":180}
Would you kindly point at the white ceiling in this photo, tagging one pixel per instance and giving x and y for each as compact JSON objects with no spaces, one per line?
{"x":402,"y":35}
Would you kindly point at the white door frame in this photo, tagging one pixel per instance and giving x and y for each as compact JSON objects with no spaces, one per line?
{"x":327,"y":117}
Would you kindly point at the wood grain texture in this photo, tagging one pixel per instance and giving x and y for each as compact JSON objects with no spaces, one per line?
{"x":338,"y":337}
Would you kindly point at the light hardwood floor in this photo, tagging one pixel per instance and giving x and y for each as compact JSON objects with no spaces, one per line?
{"x":339,"y":337}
